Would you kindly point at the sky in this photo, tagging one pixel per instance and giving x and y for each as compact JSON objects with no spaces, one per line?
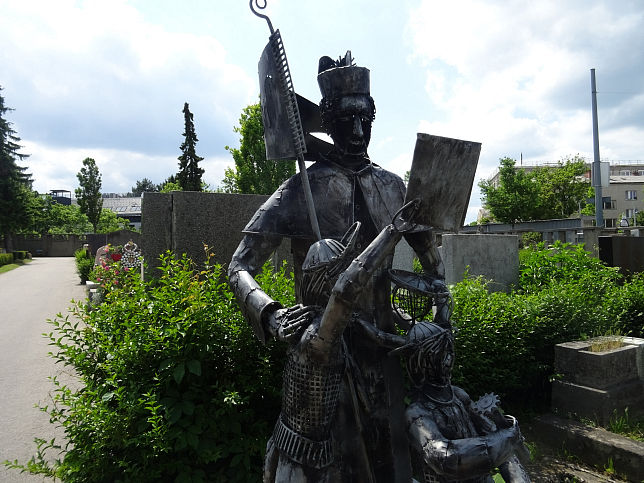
{"x":108,"y":79}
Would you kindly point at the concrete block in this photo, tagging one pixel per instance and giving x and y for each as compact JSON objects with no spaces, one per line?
{"x":597,"y":404}
{"x":605,"y":369}
{"x":596,"y":384}
{"x":403,"y":256}
{"x":639,"y":358}
{"x":593,"y":446}
{"x":495,"y":257}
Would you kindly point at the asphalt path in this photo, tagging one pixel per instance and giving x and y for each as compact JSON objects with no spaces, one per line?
{"x":29,"y":295}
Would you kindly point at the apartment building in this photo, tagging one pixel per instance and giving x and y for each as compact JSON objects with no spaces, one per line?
{"x":622,"y":189}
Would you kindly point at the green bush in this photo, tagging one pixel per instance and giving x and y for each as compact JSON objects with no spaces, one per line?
{"x":20,"y":254}
{"x":541,"y":267}
{"x":84,"y":263}
{"x":505,"y":342}
{"x":175,"y":387}
{"x":6,"y":258}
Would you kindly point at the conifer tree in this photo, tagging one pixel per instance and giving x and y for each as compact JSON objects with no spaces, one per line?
{"x":189,"y":175}
{"x":15,"y":182}
{"x":88,"y":193}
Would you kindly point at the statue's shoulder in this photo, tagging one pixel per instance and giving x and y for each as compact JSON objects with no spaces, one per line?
{"x":284,"y":212}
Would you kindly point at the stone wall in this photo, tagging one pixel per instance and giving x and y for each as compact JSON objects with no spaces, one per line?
{"x":183,"y":221}
{"x":49,"y":245}
{"x":66,"y":245}
{"x":495,"y":257}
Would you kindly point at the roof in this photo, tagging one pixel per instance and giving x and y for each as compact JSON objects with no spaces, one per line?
{"x":123,"y":206}
{"x":626,"y":179}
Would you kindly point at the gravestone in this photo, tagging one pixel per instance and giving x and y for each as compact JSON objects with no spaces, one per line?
{"x":596,"y":384}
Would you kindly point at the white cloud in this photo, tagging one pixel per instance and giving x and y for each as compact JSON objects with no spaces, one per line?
{"x":515,"y":76}
{"x":97,"y":72}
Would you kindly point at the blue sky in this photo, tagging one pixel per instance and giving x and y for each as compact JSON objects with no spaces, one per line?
{"x":108,"y":79}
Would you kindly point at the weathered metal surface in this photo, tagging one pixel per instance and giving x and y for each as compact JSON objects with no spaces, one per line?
{"x":442,"y":173}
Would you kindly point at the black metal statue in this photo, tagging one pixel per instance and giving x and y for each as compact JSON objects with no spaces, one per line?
{"x":341,"y":188}
{"x":452,"y":437}
{"x":346,"y":187}
{"x":302,"y":449}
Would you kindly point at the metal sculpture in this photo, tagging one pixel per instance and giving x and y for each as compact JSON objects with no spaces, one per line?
{"x":342,"y":187}
{"x":452,"y":438}
{"x":301,"y":448}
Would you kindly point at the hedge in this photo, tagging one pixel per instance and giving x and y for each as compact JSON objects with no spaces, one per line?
{"x":174,"y":386}
{"x":6,"y":258}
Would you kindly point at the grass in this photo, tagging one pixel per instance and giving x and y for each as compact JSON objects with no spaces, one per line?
{"x":612,"y":339}
{"x":626,"y":426}
{"x":10,"y":266}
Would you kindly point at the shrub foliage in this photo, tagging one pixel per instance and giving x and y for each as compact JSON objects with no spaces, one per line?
{"x":174,"y":386}
{"x":505,"y":342}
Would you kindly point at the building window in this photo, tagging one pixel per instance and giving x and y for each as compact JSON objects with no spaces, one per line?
{"x":631,"y":194}
{"x":625,"y":172}
{"x":609,"y":204}
{"x":631,"y":212}
{"x":610,"y":222}
{"x":639,"y":172}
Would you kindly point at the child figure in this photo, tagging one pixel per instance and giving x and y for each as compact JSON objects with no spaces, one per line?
{"x":301,"y":449}
{"x":452,"y":438}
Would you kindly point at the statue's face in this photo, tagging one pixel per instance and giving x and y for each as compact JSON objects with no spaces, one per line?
{"x":443,"y":373}
{"x":351,"y":125}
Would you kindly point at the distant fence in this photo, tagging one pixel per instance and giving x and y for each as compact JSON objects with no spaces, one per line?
{"x":66,"y":245}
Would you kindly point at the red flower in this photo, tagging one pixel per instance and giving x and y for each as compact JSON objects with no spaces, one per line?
{"x":116,"y":256}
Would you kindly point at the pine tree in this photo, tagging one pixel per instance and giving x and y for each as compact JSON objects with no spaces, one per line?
{"x":189,"y":175}
{"x":88,"y":193}
{"x":15,"y":182}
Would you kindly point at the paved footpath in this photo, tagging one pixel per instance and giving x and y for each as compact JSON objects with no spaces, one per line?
{"x":29,"y":295}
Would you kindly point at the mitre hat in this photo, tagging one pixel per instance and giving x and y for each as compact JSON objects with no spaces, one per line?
{"x":340,"y":78}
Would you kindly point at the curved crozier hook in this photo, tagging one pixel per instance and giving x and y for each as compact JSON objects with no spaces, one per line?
{"x":261,"y":6}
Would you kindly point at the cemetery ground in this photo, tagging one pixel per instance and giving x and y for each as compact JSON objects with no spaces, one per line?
{"x":33,"y":293}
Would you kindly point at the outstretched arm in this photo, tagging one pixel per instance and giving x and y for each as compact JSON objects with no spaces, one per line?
{"x":458,"y":459}
{"x":349,"y":285}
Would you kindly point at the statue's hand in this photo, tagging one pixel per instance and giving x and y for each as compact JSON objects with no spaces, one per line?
{"x":403,"y":220}
{"x":286,"y":324}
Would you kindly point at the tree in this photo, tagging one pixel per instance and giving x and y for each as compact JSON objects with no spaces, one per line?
{"x":253,"y":173}
{"x":189,"y":175}
{"x":65,"y":220}
{"x":544,"y":193}
{"x":639,"y":218}
{"x":88,"y":193}
{"x":516,"y":197}
{"x":144,"y":186}
{"x":15,"y":182}
{"x":110,"y":221}
{"x":563,"y":190}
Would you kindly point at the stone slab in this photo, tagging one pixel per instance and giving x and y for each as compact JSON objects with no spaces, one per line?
{"x":495,"y":257}
{"x":185,"y":221}
{"x":597,"y":404}
{"x":593,"y":446}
